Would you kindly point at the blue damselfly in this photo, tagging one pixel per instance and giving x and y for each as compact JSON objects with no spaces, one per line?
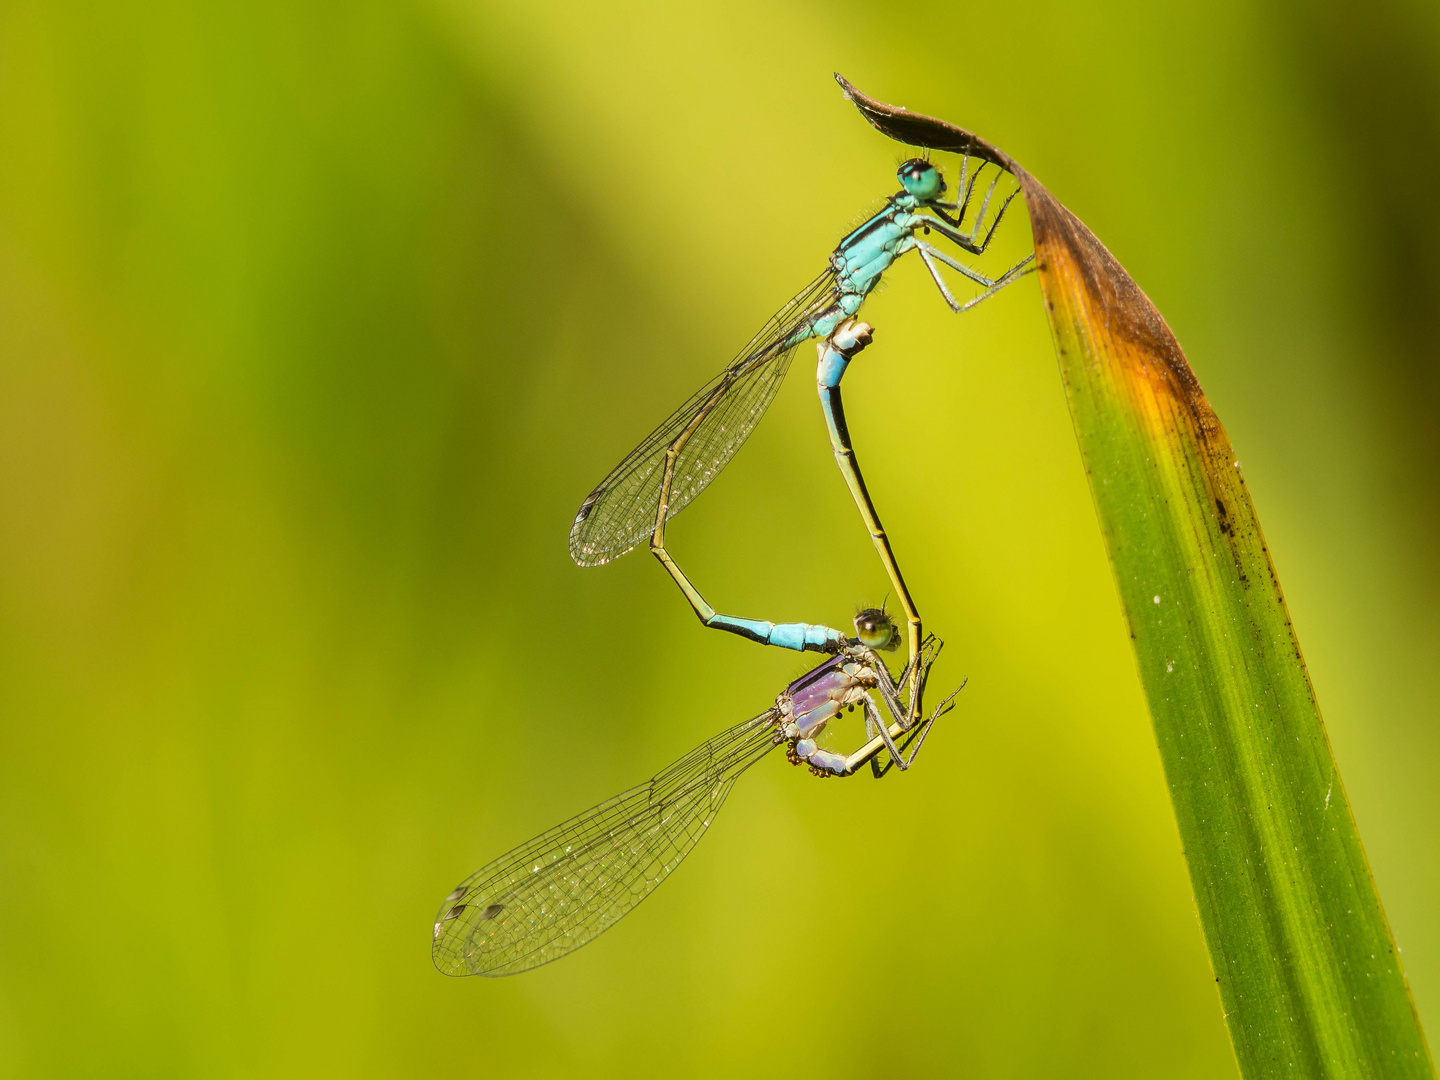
{"x":679,"y":458}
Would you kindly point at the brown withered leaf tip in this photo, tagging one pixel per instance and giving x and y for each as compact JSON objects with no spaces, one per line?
{"x":1112,"y":297}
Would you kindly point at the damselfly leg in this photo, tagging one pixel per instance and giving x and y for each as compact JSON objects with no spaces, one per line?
{"x":680,"y":458}
{"x":562,"y":889}
{"x":845,"y":683}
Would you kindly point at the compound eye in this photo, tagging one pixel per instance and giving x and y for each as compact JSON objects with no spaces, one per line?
{"x":921,"y":179}
{"x":875,"y":629}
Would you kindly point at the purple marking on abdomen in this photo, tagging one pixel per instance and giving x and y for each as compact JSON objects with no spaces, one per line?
{"x":816,"y":685}
{"x":814,"y":697}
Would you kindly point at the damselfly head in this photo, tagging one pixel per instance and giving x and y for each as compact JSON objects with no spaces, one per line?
{"x":875,"y":629}
{"x":921,"y":179}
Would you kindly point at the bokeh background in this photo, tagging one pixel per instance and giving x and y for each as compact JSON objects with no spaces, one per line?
{"x":317,"y":322}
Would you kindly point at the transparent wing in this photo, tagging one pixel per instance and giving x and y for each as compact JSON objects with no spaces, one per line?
{"x":620,"y":512}
{"x":569,"y":885}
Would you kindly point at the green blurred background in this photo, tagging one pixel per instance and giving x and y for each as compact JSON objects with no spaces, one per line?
{"x":318,"y":321}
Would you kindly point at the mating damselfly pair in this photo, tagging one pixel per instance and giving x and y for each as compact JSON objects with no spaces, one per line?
{"x":560,"y":890}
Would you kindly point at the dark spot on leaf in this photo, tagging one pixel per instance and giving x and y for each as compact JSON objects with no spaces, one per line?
{"x":1224,"y":517}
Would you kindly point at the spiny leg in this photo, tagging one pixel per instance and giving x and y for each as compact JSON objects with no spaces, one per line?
{"x":879,"y":771}
{"x":916,"y":736}
{"x":889,"y":688}
{"x":929,"y":253}
{"x":872,"y":723}
{"x":914,"y":676}
{"x":963,"y":187}
{"x":972,"y":242}
{"x":919,"y":676}
{"x":966,"y":183}
{"x":984,"y":206}
{"x":949,"y":228}
{"x":835,"y":353}
{"x":829,"y":763}
{"x":806,"y":726}
{"x":875,"y":725}
{"x":995,"y":224}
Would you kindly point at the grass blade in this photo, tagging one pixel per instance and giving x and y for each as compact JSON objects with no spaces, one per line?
{"x":1309,"y":979}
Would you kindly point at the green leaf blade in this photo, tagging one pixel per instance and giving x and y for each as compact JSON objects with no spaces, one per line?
{"x":1309,"y":978}
{"x":1306,"y":968}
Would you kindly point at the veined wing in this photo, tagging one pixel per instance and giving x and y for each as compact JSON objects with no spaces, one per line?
{"x":569,"y":885}
{"x":621,"y":511}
